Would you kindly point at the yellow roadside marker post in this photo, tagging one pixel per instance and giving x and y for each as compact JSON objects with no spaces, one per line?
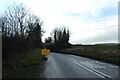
{"x":45,"y":52}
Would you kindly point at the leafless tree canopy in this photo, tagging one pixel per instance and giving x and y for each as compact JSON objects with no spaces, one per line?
{"x":20,"y":28}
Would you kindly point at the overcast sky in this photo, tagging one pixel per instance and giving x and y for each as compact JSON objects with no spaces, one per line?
{"x":89,"y":21}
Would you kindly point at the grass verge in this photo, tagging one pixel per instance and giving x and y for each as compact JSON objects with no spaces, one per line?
{"x":23,"y":66}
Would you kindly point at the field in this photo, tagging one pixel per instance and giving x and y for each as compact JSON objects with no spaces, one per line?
{"x":104,"y":52}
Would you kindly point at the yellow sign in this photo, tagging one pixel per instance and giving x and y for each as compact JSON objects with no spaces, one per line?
{"x":45,"y":52}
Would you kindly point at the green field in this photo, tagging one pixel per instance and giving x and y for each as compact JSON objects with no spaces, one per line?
{"x":104,"y":52}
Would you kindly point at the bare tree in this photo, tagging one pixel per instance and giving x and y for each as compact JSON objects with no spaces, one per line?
{"x":20,"y":27}
{"x":16,"y":17}
{"x":34,"y":30}
{"x":4,"y":28}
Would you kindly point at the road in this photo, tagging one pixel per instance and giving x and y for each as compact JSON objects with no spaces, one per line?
{"x":71,"y":66}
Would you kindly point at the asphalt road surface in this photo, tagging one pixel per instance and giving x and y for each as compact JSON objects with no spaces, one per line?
{"x":71,"y":66}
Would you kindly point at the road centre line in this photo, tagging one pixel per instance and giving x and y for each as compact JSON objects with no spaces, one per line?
{"x":91,"y":65}
{"x":100,"y":74}
{"x":89,"y":69}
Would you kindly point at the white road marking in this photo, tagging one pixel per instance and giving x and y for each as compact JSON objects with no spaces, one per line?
{"x":88,"y":69}
{"x":100,"y":74}
{"x":91,"y":69}
{"x":113,"y":66}
{"x":98,"y":62}
{"x":91,"y":64}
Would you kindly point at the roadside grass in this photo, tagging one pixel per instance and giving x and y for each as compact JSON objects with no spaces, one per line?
{"x":23,"y":66}
{"x":106,"y":53}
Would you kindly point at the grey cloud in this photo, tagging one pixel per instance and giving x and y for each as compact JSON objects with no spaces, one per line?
{"x":108,"y":36}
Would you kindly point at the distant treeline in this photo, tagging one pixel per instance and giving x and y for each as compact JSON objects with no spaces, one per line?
{"x":59,"y":39}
